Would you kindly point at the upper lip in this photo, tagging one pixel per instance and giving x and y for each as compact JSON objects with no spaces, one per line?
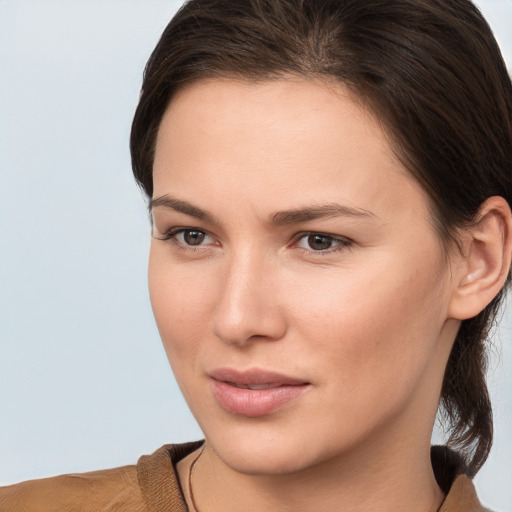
{"x":254,"y":376}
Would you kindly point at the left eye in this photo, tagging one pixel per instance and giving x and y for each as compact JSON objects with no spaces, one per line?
{"x":192,"y":237}
{"x":319,"y":242}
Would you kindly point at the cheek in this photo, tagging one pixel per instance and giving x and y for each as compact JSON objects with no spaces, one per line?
{"x":180,"y":302}
{"x":377,"y":328}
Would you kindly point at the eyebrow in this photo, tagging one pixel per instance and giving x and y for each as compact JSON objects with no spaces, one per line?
{"x":180,"y":206}
{"x":317,"y":212}
{"x":283,"y":217}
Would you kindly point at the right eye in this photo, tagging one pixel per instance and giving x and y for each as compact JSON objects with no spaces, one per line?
{"x":191,"y":237}
{"x":187,"y":237}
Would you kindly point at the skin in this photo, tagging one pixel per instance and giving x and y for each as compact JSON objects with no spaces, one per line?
{"x":367,"y":322}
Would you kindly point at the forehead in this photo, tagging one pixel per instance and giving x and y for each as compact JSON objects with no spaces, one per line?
{"x":297,"y":99}
{"x":297,"y":140}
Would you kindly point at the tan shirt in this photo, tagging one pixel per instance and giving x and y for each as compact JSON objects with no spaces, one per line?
{"x":152,"y":486}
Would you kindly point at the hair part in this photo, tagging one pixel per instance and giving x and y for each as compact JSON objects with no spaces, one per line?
{"x":430,"y":70}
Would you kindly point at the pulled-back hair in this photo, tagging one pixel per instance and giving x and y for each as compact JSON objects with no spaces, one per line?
{"x":432,"y":73}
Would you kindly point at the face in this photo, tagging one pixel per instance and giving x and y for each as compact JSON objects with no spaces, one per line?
{"x":299,"y":287}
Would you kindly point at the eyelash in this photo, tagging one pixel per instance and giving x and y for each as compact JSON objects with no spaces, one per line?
{"x":342,"y":243}
{"x":171,"y":234}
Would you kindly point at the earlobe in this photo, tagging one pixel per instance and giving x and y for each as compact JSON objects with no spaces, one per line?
{"x":485,"y":263}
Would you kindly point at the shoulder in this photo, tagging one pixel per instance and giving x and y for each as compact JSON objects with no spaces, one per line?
{"x":450,"y":472}
{"x":98,"y":491}
{"x":150,"y":485}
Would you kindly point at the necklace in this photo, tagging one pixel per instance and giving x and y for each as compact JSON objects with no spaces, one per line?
{"x":192,"y":466}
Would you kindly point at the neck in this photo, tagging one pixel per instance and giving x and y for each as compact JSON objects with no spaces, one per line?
{"x":353,"y":481}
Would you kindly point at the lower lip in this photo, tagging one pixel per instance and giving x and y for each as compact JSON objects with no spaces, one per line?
{"x":254,"y":402}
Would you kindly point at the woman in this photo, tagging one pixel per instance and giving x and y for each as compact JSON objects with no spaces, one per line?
{"x":329,"y":187}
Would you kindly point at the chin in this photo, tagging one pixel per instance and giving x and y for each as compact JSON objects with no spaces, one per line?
{"x":262,"y":462}
{"x":267,"y":450}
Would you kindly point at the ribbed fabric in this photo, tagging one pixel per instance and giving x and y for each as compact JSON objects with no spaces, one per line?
{"x":152,"y":486}
{"x":158,"y":480}
{"x":111,"y":490}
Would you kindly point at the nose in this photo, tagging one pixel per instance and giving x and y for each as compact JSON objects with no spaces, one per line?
{"x":248,"y":308}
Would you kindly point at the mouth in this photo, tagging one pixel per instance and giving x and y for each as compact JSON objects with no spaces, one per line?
{"x":254,"y":392}
{"x":253,"y":386}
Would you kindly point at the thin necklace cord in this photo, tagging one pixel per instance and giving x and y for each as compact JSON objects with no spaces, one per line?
{"x":191,"y":492}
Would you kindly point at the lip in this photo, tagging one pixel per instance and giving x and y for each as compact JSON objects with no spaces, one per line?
{"x":235,"y":391}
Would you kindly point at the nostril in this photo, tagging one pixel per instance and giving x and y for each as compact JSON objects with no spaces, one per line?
{"x":264,"y":324}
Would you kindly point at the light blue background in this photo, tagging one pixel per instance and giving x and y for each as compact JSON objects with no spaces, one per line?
{"x":84,"y":381}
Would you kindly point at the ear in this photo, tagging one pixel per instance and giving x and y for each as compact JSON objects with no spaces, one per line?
{"x":482,"y":268}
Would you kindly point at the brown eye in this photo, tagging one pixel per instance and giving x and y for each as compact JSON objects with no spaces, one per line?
{"x":191,"y":237}
{"x":319,"y":242}
{"x":322,"y":243}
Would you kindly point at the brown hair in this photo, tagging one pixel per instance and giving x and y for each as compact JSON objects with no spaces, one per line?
{"x":431,"y":71}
